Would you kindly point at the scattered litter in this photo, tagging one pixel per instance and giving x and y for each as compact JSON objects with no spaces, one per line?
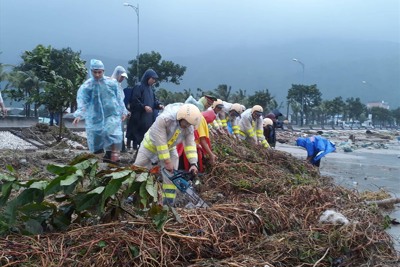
{"x":331,"y":216}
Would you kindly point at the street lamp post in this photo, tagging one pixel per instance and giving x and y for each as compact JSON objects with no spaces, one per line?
{"x":302,"y":99}
{"x":136,"y":8}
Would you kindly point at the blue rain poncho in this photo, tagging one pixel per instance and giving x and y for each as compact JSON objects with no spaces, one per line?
{"x":101,"y":105}
{"x":316,"y":146}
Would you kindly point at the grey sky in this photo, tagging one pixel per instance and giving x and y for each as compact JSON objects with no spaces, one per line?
{"x":184,"y":27}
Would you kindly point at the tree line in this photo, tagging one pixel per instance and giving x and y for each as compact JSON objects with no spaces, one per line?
{"x":49,"y":79}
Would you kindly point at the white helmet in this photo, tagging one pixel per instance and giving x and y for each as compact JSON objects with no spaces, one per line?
{"x":217,"y":104}
{"x":257,"y":108}
{"x":243,"y":108}
{"x":190,"y":113}
{"x":267,"y":121}
{"x":236,"y":107}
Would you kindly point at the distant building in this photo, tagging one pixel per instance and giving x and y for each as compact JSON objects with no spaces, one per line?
{"x":381,"y":104}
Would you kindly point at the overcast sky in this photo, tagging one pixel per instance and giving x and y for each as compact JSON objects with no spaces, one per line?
{"x":185,"y":27}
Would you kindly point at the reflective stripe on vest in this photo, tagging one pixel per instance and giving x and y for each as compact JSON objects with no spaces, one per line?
{"x":162,"y":150}
{"x":191,"y":152}
{"x":174,"y":137}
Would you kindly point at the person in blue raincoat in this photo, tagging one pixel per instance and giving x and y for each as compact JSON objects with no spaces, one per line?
{"x":317,"y":147}
{"x":144,"y":107}
{"x":101,"y":105}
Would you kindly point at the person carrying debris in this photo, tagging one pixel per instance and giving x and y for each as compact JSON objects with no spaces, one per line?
{"x":251,"y":126}
{"x":100,"y":105}
{"x":317,"y":147}
{"x":173,"y":126}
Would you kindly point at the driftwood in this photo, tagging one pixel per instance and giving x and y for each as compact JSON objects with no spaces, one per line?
{"x":384,"y":202}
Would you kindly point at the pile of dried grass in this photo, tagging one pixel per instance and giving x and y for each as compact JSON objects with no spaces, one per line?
{"x":265,"y":208}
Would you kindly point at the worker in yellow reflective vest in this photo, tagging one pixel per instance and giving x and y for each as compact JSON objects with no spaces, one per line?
{"x":217,"y":125}
{"x":174,"y":125}
{"x":234,"y":117}
{"x":251,"y":126}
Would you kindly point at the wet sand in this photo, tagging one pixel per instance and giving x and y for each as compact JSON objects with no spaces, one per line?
{"x":363,"y":169}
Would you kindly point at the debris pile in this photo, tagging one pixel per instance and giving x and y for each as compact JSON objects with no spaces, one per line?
{"x":265,"y":210}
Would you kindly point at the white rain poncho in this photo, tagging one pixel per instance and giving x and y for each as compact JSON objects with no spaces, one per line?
{"x":161,"y":139}
{"x":100,"y":105}
{"x":252,"y":129}
{"x":118,"y":72}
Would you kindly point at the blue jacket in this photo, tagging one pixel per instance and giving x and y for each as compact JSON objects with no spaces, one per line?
{"x":316,"y":146}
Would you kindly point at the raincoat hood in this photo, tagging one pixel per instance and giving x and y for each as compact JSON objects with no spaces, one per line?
{"x":119,"y":71}
{"x":301,"y":141}
{"x":277,"y":113}
{"x":96,"y":64}
{"x":147,"y":75}
{"x":271,"y":116}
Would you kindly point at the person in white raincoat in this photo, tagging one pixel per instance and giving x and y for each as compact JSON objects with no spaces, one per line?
{"x":251,"y":126}
{"x":234,"y":118}
{"x":100,"y":105}
{"x":119,"y":75}
{"x":174,"y":125}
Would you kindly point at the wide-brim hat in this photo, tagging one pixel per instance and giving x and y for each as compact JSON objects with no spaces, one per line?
{"x":210,"y":98}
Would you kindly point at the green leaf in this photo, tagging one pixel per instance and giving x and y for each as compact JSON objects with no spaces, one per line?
{"x":70,"y":179}
{"x":11,"y":211}
{"x":60,"y":169}
{"x":70,"y":188}
{"x":160,"y":217}
{"x":142,"y":177}
{"x":93,"y":170}
{"x":39,"y":212}
{"x":7,"y":177}
{"x":143,"y":194}
{"x":32,"y":208}
{"x":30,"y":195}
{"x":112,"y":188}
{"x":128,"y":181}
{"x":97,"y":190}
{"x":102,"y":244}
{"x":39,"y":185}
{"x":5,"y":192}
{"x":152,"y":188}
{"x":10,"y":168}
{"x":54,"y":185}
{"x":85,"y":164}
{"x":33,"y":227}
{"x":134,"y":251}
{"x":121,"y":174}
{"x":61,"y":221}
{"x":85,"y":201}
